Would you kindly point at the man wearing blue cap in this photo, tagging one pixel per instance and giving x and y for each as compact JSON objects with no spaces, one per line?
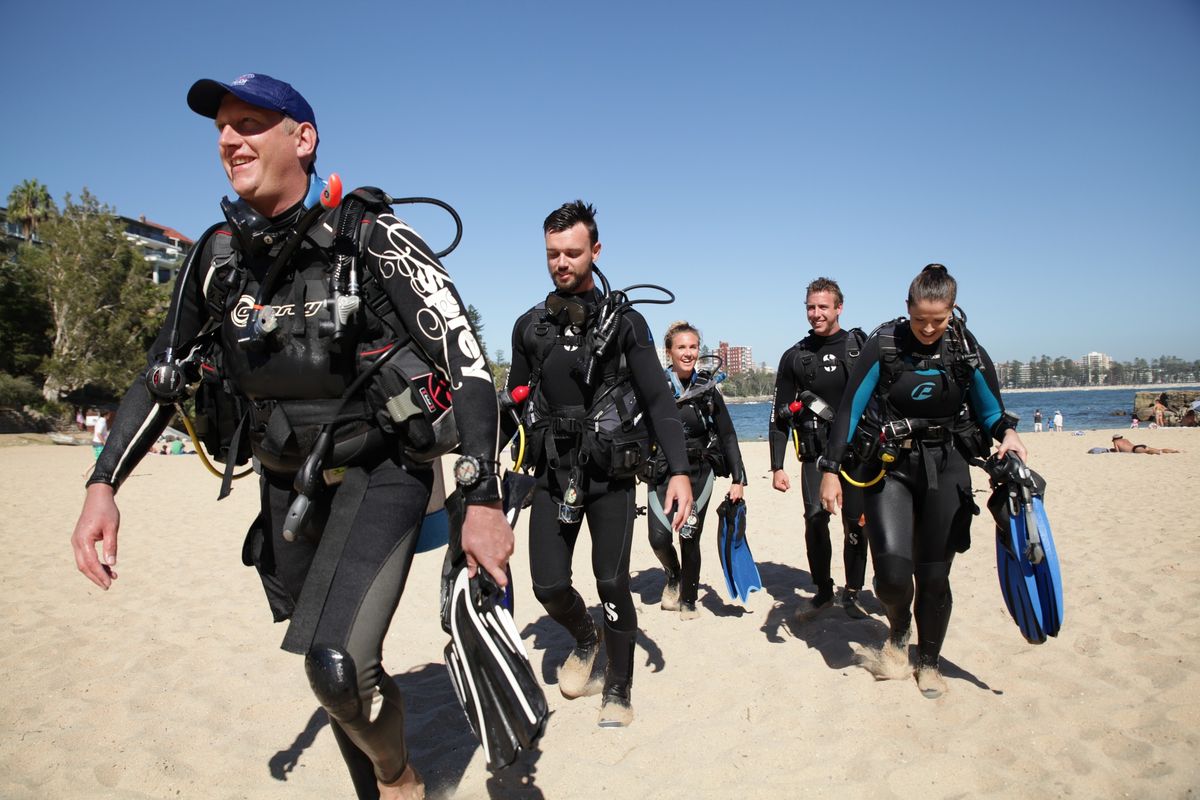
{"x":282,"y":304}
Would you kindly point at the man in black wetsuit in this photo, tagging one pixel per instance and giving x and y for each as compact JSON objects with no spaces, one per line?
{"x":550,"y":344}
{"x":819,"y":364}
{"x":340,"y":577}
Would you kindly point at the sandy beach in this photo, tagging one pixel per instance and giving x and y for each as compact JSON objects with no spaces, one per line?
{"x":172,"y":684}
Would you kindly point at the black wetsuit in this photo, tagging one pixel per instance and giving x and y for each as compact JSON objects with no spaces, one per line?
{"x":608,"y":504}
{"x":710,"y":436}
{"x":818,"y":364}
{"x":380,"y":505}
{"x":920,"y":513}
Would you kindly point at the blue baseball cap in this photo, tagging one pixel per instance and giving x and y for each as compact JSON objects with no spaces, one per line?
{"x":254,"y":88}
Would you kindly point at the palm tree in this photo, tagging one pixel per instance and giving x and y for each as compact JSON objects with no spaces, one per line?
{"x":30,"y":203}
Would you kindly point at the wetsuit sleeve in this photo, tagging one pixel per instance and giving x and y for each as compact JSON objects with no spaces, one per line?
{"x":654,"y":394}
{"x":519,"y":372}
{"x":431,"y":310}
{"x":778,"y":429}
{"x":984,"y":397}
{"x":140,"y":418}
{"x":857,"y":395}
{"x":729,"y":441}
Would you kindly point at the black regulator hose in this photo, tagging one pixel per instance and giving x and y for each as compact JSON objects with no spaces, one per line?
{"x":433,"y":201}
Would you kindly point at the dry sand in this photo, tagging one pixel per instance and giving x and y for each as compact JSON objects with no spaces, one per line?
{"x":172,"y":684}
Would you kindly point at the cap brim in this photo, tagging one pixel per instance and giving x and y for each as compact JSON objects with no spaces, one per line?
{"x":205,"y":97}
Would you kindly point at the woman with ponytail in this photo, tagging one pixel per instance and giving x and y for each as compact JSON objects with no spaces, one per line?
{"x":922,"y":399}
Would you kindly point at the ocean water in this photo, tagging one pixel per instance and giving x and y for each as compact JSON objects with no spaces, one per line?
{"x":1083,"y":410}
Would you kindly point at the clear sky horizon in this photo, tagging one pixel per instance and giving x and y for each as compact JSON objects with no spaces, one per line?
{"x":1047,"y":153}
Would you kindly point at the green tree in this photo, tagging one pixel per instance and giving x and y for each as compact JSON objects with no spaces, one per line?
{"x":30,"y":204}
{"x":476,"y":320}
{"x":24,"y":320}
{"x":756,"y":383}
{"x":500,"y":369}
{"x":104,"y":309}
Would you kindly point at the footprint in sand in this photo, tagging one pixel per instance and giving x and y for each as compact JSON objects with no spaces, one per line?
{"x":107,"y":775}
{"x":1121,"y":747}
{"x":1134,"y":640}
{"x":1087,"y":646}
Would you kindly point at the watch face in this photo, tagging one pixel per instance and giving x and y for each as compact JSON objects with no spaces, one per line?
{"x":466,"y":471}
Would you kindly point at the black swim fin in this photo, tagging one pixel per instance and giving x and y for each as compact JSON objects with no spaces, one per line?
{"x":490,"y":670}
{"x":485,"y":658}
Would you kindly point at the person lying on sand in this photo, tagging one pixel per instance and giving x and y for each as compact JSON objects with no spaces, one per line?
{"x":1122,"y":445}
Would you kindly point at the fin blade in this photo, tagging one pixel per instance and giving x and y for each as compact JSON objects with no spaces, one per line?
{"x":742,"y":567}
{"x":1017,"y":581}
{"x":1050,"y":589}
{"x":493,"y":678}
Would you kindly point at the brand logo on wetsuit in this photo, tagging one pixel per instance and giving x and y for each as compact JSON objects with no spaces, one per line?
{"x":610,"y":611}
{"x":406,"y":258}
{"x":830,"y":362}
{"x":923,"y":391}
{"x":240,"y":314}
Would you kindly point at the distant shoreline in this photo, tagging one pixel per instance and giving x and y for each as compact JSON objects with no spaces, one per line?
{"x":1144,"y":387}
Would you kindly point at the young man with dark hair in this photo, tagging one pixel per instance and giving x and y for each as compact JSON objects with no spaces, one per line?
{"x":582,"y":472}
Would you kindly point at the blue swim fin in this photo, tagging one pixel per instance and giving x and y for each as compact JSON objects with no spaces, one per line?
{"x":1050,"y":590}
{"x":737,"y":562}
{"x":1026,"y":559}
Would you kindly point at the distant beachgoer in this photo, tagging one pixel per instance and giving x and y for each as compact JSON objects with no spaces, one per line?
{"x":100,"y":432}
{"x":1058,"y":421}
{"x":1037,"y":421}
{"x":1134,"y":421}
{"x":1122,"y":445}
{"x":1160,"y":410}
{"x":79,"y":420}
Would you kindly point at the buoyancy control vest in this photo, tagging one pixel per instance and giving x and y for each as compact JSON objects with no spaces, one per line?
{"x":884,"y":427}
{"x":810,"y":363}
{"x":609,"y":437}
{"x":403,"y":393}
{"x":811,"y":426}
{"x":697,"y":407}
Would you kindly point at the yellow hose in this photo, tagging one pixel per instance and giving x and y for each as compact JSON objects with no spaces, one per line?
{"x":520,"y":449}
{"x":187,"y":423}
{"x":796,"y":441}
{"x":871,"y":482}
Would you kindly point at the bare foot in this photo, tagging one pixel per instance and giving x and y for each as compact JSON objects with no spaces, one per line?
{"x":408,"y":786}
{"x":930,"y":682}
{"x":688,"y":611}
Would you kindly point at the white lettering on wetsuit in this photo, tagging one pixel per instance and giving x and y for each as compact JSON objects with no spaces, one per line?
{"x":443,"y":317}
{"x":240,"y":314}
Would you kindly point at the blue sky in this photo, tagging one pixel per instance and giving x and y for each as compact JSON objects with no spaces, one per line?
{"x":1047,"y":153}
